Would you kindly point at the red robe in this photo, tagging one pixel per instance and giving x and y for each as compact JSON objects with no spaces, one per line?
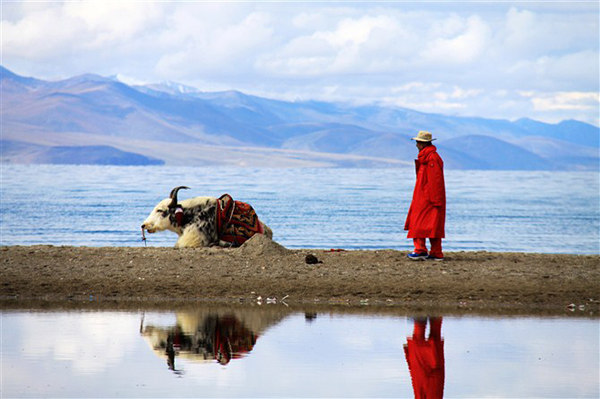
{"x":427,"y":214}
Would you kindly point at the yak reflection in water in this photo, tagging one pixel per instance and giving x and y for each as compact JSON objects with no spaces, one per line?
{"x":202,"y":336}
{"x":425,"y":358}
{"x":220,"y":335}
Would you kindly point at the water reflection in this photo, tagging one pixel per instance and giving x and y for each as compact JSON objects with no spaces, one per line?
{"x":425,"y":358}
{"x":220,"y":336}
{"x":310,"y":316}
{"x":207,"y":336}
{"x":242,"y":351}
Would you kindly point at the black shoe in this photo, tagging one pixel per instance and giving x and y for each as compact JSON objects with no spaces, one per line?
{"x":439,"y":259}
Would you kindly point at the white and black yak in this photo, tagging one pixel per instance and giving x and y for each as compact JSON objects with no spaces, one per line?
{"x":205,"y":221}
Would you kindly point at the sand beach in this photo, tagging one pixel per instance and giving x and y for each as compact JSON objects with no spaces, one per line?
{"x":263,"y":271}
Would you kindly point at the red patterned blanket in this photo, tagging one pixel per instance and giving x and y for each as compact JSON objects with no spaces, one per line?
{"x":236,"y":221}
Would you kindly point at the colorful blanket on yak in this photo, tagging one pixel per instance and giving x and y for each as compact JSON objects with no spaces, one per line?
{"x":236,"y":221}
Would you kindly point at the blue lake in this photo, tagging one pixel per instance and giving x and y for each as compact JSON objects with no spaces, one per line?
{"x":548,"y":212}
{"x":272,"y":351}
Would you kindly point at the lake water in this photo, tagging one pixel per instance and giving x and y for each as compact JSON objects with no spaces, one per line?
{"x":271,"y":351}
{"x":548,"y":212}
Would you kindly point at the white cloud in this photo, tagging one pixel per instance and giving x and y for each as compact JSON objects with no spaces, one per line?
{"x":339,"y":49}
{"x":566,"y":101}
{"x":61,"y":29}
{"x":35,"y":37}
{"x":214,"y":50}
{"x":113,"y":22}
{"x":525,"y":33}
{"x":354,"y":31}
{"x":460,"y":49}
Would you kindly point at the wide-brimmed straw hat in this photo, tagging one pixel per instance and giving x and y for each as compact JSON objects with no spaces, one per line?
{"x":424,"y":137}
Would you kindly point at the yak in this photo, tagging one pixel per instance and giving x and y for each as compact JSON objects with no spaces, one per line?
{"x":205,"y":221}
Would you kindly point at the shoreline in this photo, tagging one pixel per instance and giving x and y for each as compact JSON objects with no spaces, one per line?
{"x":262,"y":271}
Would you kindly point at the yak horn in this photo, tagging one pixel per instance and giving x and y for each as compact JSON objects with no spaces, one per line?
{"x":173,"y":195}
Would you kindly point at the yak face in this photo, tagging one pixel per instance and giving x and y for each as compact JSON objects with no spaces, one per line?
{"x":194,"y":220}
{"x":166,"y":214}
{"x":161,"y":218}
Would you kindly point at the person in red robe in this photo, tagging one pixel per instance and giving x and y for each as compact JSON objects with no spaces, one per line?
{"x":427,"y":214}
{"x":425,"y":358}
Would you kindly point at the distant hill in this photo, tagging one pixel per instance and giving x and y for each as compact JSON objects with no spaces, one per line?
{"x":20,"y":152}
{"x":94,"y":119}
{"x":491,"y":153}
{"x":570,"y":131}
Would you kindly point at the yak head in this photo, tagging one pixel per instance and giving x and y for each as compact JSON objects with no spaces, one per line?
{"x":167,"y":215}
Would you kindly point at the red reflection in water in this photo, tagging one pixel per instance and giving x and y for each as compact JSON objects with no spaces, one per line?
{"x":425,"y":358}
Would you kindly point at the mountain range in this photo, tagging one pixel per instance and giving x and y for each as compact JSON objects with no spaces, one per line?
{"x":91,"y":119}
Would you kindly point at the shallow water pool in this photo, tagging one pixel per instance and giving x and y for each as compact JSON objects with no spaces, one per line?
{"x":275,"y":351}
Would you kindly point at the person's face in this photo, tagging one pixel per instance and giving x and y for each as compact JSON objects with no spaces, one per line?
{"x":421,"y":145}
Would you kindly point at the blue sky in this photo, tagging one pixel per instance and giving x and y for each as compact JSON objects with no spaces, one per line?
{"x":497,"y":60}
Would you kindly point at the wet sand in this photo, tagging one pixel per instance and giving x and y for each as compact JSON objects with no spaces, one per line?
{"x":262,"y":271}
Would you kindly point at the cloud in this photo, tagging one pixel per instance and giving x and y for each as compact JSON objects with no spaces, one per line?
{"x":59,"y":29}
{"x":351,"y":46}
{"x":463,"y":48}
{"x":213,"y":50}
{"x":113,"y":23}
{"x":565,"y":101}
{"x":35,"y":36}
{"x":353,"y":31}
{"x":524,"y":33}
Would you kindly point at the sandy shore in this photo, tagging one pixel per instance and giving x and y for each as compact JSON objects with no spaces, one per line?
{"x":264,"y":270}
